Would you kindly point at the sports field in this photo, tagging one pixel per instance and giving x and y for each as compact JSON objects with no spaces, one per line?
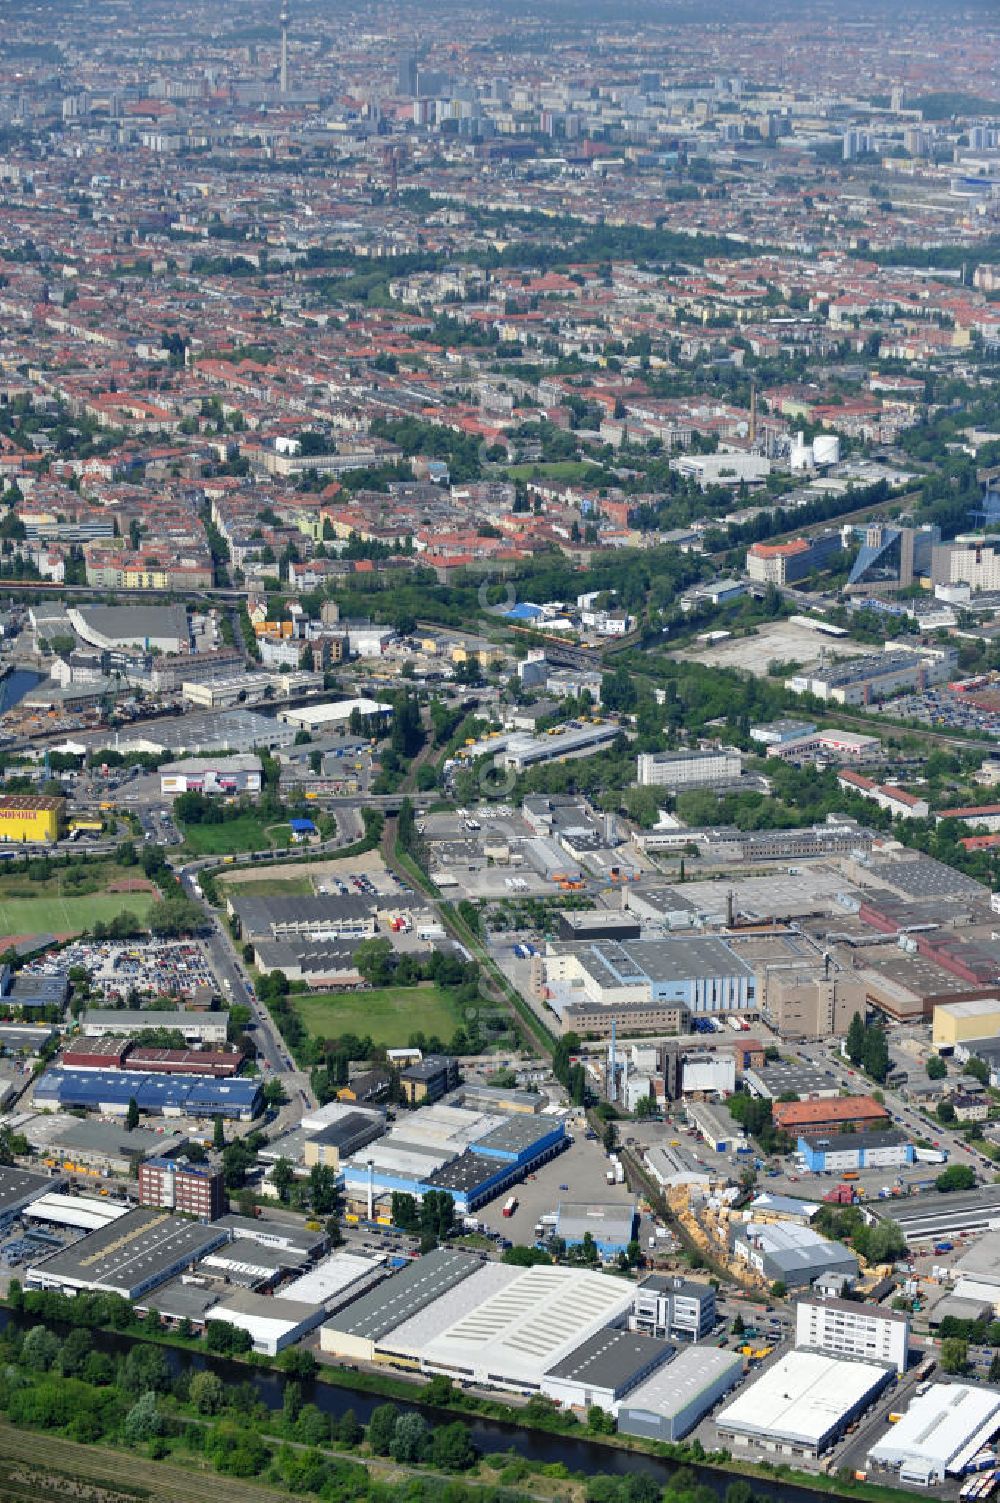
{"x":57,"y":915}
{"x":389,"y":1014}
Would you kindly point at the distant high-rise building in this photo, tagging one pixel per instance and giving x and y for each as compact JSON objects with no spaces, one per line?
{"x":856,"y":144}
{"x":283,"y":71}
{"x":406,"y":78}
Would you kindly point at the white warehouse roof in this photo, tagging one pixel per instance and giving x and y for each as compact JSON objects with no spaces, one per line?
{"x":333,"y":1276}
{"x":84,"y":1211}
{"x":802,"y":1398}
{"x":518,"y":1332}
{"x":331,"y":714}
{"x":943,"y":1429}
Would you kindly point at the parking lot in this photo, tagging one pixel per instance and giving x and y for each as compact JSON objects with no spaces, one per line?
{"x":942,"y":707}
{"x":576,"y":1175}
{"x":176,"y":969}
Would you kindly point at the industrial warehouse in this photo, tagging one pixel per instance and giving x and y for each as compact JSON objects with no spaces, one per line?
{"x":474,"y":1156}
{"x":800,"y":1406}
{"x":110,"y":1091}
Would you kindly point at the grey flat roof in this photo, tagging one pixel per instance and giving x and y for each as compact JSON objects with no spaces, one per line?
{"x":465,"y":1172}
{"x":515,"y":1134}
{"x":269,"y":1230}
{"x":127,"y":621}
{"x":128,"y":1018}
{"x":179,"y":1301}
{"x":260,"y":1256}
{"x":408,"y":1292}
{"x":261,"y":915}
{"x":111,"y":1138}
{"x":946,"y":1214}
{"x":128,"y":1252}
{"x":611,"y":1222}
{"x":223,"y":730}
{"x":840,"y":1142}
{"x":924,"y":877}
{"x":671,"y":1389}
{"x":612,"y":1359}
{"x":18,"y":1186}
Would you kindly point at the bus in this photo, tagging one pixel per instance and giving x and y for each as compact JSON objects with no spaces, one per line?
{"x":510,"y":1206}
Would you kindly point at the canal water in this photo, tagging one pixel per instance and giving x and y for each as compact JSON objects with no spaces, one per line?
{"x":15,"y":686}
{"x":488,"y":1435}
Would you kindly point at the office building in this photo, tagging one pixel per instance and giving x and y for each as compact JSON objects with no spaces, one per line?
{"x":784,"y":563}
{"x":193,"y":1189}
{"x":429,"y":1079}
{"x":673,"y":1308}
{"x":832,"y":1153}
{"x":693,"y":769}
{"x":847,"y":1329}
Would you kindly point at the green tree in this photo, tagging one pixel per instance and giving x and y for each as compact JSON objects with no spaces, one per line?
{"x":956,"y":1177}
{"x":936,"y":1068}
{"x":451,"y":1448}
{"x":855,"y":1041}
{"x":207,"y":1393}
{"x":954,"y":1356}
{"x":218,"y":1135}
{"x":144,"y":1422}
{"x":40,"y":1349}
{"x":132,"y":1114}
{"x":875,"y":1056}
{"x":381,"y":1427}
{"x":600,"y":1421}
{"x":408,"y":1437}
{"x":348,"y":1431}
{"x":283,"y":1176}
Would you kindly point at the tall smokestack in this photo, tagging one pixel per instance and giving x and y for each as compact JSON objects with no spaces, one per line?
{"x":613,"y":1064}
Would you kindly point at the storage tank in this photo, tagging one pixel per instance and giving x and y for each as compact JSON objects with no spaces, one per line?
{"x":826,"y":449}
{"x":802,"y":453}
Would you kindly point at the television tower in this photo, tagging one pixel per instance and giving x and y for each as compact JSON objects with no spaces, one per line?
{"x":283,"y":20}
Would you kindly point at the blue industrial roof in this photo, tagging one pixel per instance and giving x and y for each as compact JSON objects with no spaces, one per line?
{"x":302,"y":826}
{"x":524,"y":611}
{"x":193,"y":1094}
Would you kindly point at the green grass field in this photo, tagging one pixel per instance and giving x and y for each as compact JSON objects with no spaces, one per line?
{"x":389,"y":1014}
{"x":570,"y":470}
{"x":271,"y":887}
{"x":55,"y":915}
{"x":247,"y":833}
